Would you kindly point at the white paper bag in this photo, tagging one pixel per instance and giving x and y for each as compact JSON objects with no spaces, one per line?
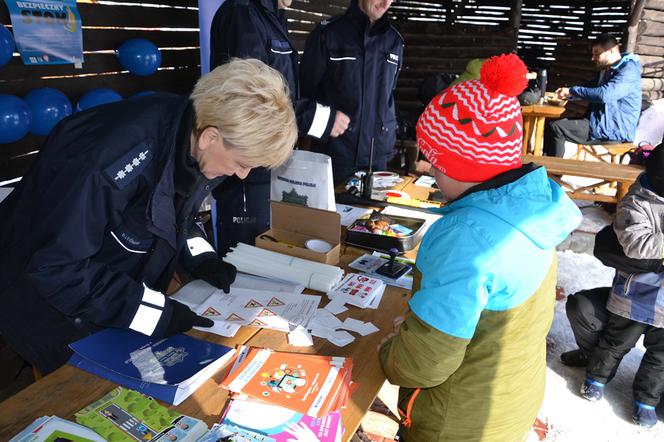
{"x":305,"y":179}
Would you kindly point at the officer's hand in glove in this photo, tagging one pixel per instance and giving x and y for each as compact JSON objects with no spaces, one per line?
{"x":183,"y":319}
{"x":216,"y":272}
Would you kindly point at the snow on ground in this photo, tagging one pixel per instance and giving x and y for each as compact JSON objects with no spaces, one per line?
{"x":570,"y":417}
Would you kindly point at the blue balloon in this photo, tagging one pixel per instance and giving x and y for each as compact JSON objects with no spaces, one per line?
{"x":96,"y":97}
{"x":48,"y":107}
{"x":14,"y":118}
{"x":139,"y":56}
{"x":6,"y":46}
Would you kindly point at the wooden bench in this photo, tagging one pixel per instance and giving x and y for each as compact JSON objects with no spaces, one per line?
{"x":621,"y":174}
{"x":614,"y":151}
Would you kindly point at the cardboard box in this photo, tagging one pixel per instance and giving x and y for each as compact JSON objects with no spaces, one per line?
{"x":293,"y":225}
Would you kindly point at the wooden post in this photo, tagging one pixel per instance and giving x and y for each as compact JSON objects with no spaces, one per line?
{"x":633,"y":25}
{"x":586,"y":19}
{"x":515,"y":15}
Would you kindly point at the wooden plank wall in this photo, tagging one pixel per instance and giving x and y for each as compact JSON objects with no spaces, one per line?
{"x":650,"y":47}
{"x":172,"y":25}
{"x":433,"y":44}
{"x":572,"y":57}
{"x":544,"y":23}
{"x":441,"y":36}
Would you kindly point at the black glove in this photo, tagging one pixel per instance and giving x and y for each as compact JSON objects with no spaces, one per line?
{"x":608,"y":250}
{"x":183,"y":319}
{"x":216,"y":272}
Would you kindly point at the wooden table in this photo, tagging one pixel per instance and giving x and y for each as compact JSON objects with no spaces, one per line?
{"x":68,"y":389}
{"x":419,"y":192}
{"x":534,"y":117}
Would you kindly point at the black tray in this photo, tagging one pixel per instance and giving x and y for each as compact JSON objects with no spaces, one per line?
{"x":383,"y":242}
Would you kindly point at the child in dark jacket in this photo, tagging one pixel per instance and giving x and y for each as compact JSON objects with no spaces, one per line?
{"x":636,"y":301}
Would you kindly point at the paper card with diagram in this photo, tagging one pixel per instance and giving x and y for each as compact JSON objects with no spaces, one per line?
{"x":358,"y":290}
{"x":275,"y":310}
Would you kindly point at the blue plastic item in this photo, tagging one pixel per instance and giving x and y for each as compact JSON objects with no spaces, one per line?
{"x":48,"y":106}
{"x":139,"y":56}
{"x":143,"y":94}
{"x":6,"y":46}
{"x":95,"y":97}
{"x":14,"y":118}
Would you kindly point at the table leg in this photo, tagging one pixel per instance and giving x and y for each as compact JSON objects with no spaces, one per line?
{"x":539,"y":135}
{"x":528,"y":124}
{"x":621,"y":190}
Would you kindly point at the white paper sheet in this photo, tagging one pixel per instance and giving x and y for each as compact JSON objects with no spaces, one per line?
{"x":300,"y":337}
{"x":336,"y":306}
{"x":363,"y":328}
{"x":358,"y":290}
{"x":425,"y":181}
{"x":369,"y":263}
{"x":257,"y":308}
{"x":349,"y":213}
{"x":245,"y":281}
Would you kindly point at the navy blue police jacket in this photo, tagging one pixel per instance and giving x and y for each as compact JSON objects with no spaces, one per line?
{"x":353,"y":66}
{"x":258,"y":29}
{"x":91,"y":235}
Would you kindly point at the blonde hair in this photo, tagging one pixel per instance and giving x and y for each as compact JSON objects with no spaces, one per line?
{"x":249,"y":103}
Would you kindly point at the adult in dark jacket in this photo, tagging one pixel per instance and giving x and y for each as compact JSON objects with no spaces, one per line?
{"x":614,"y":97}
{"x":351,"y":62}
{"x":257,"y":29}
{"x":91,"y":236}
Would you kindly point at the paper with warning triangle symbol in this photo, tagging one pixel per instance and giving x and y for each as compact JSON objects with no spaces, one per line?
{"x":253,"y":304}
{"x":234,"y":317}
{"x":274,"y":302}
{"x":211,"y":311}
{"x":259,"y":308}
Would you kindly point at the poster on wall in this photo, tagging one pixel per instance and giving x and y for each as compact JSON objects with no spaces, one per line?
{"x":47,"y":31}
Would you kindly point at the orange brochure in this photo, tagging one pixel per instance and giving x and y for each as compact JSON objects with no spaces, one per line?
{"x":308,"y":384}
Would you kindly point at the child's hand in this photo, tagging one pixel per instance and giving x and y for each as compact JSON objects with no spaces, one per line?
{"x":397,"y":326}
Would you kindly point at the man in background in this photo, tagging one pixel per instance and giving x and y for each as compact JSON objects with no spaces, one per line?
{"x":615,"y":101}
{"x":257,"y":29}
{"x":351,"y":63}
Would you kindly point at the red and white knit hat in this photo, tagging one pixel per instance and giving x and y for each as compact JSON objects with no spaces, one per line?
{"x":472,"y":131}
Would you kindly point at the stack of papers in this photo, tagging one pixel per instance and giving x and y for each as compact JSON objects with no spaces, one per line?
{"x":276,"y":310}
{"x":359,"y":290}
{"x":312,"y":385}
{"x":124,"y":414}
{"x":168,"y":369}
{"x":368,"y":264}
{"x":277,"y":424}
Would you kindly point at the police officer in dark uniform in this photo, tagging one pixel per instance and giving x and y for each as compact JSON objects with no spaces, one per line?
{"x":257,"y":29}
{"x":92,"y":234}
{"x":351,"y":63}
